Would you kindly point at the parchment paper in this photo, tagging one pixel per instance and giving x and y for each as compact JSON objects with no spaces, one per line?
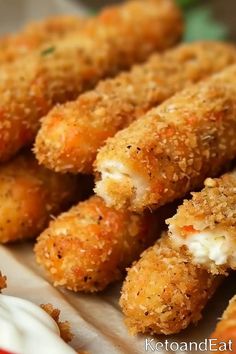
{"x":96,"y":320}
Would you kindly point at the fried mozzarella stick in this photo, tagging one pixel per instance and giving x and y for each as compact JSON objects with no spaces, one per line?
{"x":29,"y":196}
{"x":36,"y":35}
{"x":114,"y":40}
{"x":164,"y":292}
{"x":173,"y":148}
{"x":72,"y":133}
{"x":206,"y":225}
{"x":89,"y":247}
{"x":226,"y":328}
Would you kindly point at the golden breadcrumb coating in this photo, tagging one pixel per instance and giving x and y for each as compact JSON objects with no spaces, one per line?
{"x":37,"y":34}
{"x":164,"y":292}
{"x":226,"y":327}
{"x":29,"y":196}
{"x":213,"y":205}
{"x":208,"y":220}
{"x":173,"y":148}
{"x":3,"y":282}
{"x":72,"y":133}
{"x":89,"y":247}
{"x":112,"y":41}
{"x":64,"y":327}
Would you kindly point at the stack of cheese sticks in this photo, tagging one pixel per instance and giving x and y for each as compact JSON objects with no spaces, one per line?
{"x":108,"y":96}
{"x":51,"y":62}
{"x":112,"y":41}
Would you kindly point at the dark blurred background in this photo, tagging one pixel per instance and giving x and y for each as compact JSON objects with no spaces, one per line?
{"x":225,"y":10}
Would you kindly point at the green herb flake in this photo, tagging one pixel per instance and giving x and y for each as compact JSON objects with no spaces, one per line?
{"x":48,"y":51}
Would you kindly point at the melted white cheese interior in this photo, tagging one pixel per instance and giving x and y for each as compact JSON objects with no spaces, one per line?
{"x":206,"y":246}
{"x":114,"y":171}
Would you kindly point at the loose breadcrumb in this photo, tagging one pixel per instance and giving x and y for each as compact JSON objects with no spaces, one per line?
{"x":3,"y":282}
{"x":64,"y":327}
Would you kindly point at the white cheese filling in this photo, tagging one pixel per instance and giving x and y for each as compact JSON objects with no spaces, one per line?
{"x":206,"y":246}
{"x":117,"y":172}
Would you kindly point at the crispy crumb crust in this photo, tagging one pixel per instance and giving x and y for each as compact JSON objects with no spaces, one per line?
{"x":30,"y":195}
{"x":96,"y":115}
{"x":213,"y":208}
{"x":3,"y":282}
{"x":172,"y":148}
{"x":37,"y":34}
{"x":64,"y":327}
{"x":226,"y":327}
{"x":164,"y":292}
{"x":90,"y":246}
{"x":214,"y":205}
{"x":106,"y":44}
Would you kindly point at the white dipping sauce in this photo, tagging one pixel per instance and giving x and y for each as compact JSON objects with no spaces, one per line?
{"x":25,"y":328}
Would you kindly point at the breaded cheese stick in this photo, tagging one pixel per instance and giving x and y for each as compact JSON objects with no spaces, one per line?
{"x":29,"y":196}
{"x":37,"y":34}
{"x":164,"y":292}
{"x":89,"y":247}
{"x":114,"y":40}
{"x":72,"y":133}
{"x":206,"y":225}
{"x":225,"y":331}
{"x":173,"y":148}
